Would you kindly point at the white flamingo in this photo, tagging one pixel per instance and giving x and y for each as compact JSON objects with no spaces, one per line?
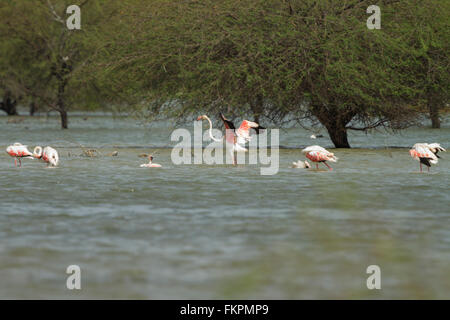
{"x":19,"y":151}
{"x":150,"y":164}
{"x":301,"y":164}
{"x":318,"y":154}
{"x":48,"y":155}
{"x":426,"y":153}
{"x":235,"y":138}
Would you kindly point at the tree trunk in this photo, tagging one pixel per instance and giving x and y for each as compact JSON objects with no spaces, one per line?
{"x":257,"y":107}
{"x":33,"y":108}
{"x":434,"y":114}
{"x":64,"y":120}
{"x":335,"y":121}
{"x":338,"y":135}
{"x":8,"y":105}
{"x":61,"y":104}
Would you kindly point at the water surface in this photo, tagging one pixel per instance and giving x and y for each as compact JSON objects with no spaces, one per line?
{"x":199,"y":231}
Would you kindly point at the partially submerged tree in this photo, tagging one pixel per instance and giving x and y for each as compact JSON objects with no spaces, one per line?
{"x":301,"y":60}
{"x":8,"y":103}
{"x":40,"y":54}
{"x":430,"y":44}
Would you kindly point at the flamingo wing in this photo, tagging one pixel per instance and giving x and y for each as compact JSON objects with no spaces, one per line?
{"x":314,"y":148}
{"x":230,"y":132}
{"x":20,"y":151}
{"x":435,"y":148}
{"x":423,"y":151}
{"x":318,"y":156}
{"x":228,"y":123}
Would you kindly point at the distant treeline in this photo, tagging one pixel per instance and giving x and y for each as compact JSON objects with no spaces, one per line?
{"x":304,"y":60}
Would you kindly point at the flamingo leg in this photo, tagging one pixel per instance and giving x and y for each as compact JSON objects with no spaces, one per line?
{"x":428,"y":169}
{"x":233,"y":158}
{"x":20,"y":162}
{"x":420,"y":167}
{"x":327,"y":166}
{"x":15,"y":162}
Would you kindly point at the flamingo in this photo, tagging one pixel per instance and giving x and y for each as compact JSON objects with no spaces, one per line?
{"x":150,"y":164}
{"x":235,"y":138}
{"x":48,"y":155}
{"x":301,"y":164}
{"x":318,"y":154}
{"x":19,"y":151}
{"x":426,"y":153}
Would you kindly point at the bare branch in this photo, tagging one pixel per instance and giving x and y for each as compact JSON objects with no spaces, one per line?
{"x":371,"y":126}
{"x":56,"y":17}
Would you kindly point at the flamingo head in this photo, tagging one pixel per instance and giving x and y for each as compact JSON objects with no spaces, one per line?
{"x":307,"y":165}
{"x":150,"y":157}
{"x":53,"y":161}
{"x":203,"y":117}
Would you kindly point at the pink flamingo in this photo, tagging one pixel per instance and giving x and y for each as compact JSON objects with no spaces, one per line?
{"x":426,"y":153}
{"x":235,"y":138}
{"x":318,"y":154}
{"x":48,"y":155}
{"x":19,"y":151}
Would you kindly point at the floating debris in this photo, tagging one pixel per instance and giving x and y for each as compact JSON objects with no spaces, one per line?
{"x":91,"y":153}
{"x":15,"y":120}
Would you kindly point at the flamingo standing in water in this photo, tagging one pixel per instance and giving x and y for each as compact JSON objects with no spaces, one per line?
{"x":426,"y":153}
{"x":19,"y":151}
{"x":150,"y":164}
{"x":318,"y":154}
{"x":235,"y":138}
{"x":48,"y":155}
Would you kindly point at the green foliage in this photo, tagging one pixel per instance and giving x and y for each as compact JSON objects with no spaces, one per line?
{"x":40,"y":57}
{"x":282,"y":60}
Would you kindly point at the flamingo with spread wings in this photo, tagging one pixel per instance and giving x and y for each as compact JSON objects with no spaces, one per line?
{"x":235,"y":138}
{"x":426,"y":153}
{"x":318,"y":154}
{"x":19,"y":151}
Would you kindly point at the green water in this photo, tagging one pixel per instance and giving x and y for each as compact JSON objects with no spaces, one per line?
{"x":199,"y":231}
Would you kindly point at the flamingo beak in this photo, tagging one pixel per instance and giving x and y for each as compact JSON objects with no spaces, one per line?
{"x":200,"y":118}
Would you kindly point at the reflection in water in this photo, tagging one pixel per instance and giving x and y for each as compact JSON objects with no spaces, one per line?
{"x":199,"y":231}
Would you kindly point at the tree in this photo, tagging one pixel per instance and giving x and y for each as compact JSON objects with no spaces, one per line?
{"x":40,"y":55}
{"x":281,"y":60}
{"x":430,"y":44}
{"x":9,"y":104}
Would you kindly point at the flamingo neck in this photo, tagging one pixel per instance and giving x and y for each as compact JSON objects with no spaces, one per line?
{"x":210,"y":131}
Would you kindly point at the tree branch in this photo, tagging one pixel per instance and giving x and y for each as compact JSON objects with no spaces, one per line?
{"x":56,"y":17}
{"x":371,"y":126}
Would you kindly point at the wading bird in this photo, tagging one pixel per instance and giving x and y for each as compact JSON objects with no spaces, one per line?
{"x":318,"y":154}
{"x":301,"y":164}
{"x":235,"y":138}
{"x":426,"y":153}
{"x":150,"y":164}
{"x":19,"y":151}
{"x":48,"y":155}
